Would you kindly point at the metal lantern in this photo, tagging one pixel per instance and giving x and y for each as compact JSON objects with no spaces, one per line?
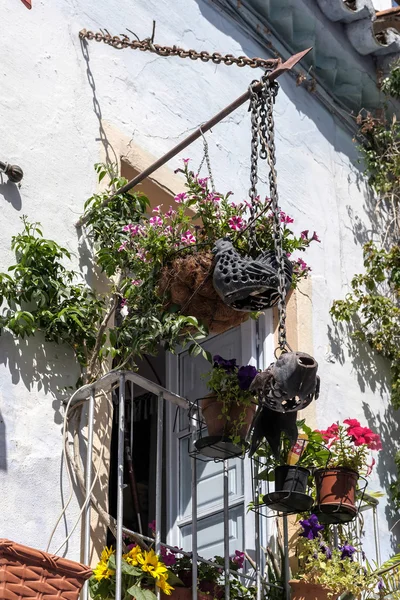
{"x":289,"y":384}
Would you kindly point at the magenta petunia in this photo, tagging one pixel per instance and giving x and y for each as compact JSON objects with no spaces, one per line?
{"x":236,"y":223}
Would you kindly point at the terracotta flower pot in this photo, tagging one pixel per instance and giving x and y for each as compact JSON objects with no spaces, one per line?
{"x":212,"y":409}
{"x":36,"y":575}
{"x":336,"y":490}
{"x":301,"y":590}
{"x":185,"y":593}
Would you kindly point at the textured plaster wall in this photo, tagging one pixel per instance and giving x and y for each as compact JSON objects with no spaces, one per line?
{"x":54,"y":98}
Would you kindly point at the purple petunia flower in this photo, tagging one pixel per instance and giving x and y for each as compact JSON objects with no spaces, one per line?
{"x":228,"y":365}
{"x":381,"y":585}
{"x":347,"y":551}
{"x":246,"y":376}
{"x":311,"y":527}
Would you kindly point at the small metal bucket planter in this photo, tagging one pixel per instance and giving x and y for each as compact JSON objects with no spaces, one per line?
{"x":291,"y":486}
{"x":35,"y":575}
{"x":336,"y":490}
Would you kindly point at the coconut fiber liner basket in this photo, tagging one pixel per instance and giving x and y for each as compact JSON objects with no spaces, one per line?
{"x":188,"y":283}
{"x":29,"y":573}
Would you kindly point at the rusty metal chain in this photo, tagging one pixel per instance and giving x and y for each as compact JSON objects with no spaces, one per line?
{"x":123,"y":41}
{"x":254,"y":112}
{"x":267,"y":142}
{"x":206,"y":159}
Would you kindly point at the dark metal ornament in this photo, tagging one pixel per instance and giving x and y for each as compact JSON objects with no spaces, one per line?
{"x":289,"y":384}
{"x":244,"y":283}
{"x":269,"y":424}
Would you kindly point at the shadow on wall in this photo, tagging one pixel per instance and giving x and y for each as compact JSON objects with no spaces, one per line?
{"x":110,"y":154}
{"x":3,"y":447}
{"x":34,"y":361}
{"x":373,"y":371}
{"x":386,"y":424}
{"x":10,"y":192}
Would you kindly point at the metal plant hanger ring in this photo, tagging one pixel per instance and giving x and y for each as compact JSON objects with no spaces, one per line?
{"x":260,"y":280}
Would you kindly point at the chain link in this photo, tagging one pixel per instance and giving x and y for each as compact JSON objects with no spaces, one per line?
{"x":147,"y":45}
{"x":206,"y":159}
{"x":267,"y":137}
{"x":263,"y":137}
{"x":254,"y":113}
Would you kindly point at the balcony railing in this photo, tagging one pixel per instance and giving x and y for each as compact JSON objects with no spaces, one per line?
{"x":118,"y":379}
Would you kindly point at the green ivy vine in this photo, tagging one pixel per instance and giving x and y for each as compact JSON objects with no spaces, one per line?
{"x":373,"y":305}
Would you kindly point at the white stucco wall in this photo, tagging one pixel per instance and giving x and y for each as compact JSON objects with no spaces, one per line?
{"x":382,"y":4}
{"x":51,"y":115}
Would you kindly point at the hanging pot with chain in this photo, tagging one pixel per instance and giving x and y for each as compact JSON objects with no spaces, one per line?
{"x":251,"y":283}
{"x":291,"y":382}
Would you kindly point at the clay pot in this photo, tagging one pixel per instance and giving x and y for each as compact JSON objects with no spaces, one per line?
{"x":289,"y":478}
{"x":32,"y":574}
{"x":213,"y":590}
{"x":336,"y":490}
{"x":212,"y":409}
{"x":185,"y":593}
{"x":301,"y":590}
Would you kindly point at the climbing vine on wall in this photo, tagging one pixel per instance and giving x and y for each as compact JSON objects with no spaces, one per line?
{"x":373,"y":306}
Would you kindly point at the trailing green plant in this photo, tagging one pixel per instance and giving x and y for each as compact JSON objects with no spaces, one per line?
{"x":394,"y":487}
{"x":373,"y":308}
{"x":373,"y":305}
{"x":310,"y":451}
{"x":41,"y":294}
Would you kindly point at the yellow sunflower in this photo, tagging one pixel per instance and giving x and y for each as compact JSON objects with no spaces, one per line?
{"x":151,"y":564}
{"x":132,"y":556}
{"x":164,"y":586}
{"x":107,"y":552}
{"x":102,"y":571}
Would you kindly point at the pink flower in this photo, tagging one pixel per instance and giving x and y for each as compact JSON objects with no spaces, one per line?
{"x":136,"y":282}
{"x":203,"y":182}
{"x":168,"y":230}
{"x":123,"y":302}
{"x":168,"y":557}
{"x":315,"y":238}
{"x":122,"y":246}
{"x":236,"y":204}
{"x":152,"y":526}
{"x":236,"y":223}
{"x":188,"y":238}
{"x":170,"y":213}
{"x":179,"y":198}
{"x":331,"y":433}
{"x":185,"y":160}
{"x":156,"y":221}
{"x":157,"y":209}
{"x":302,"y":265}
{"x":126,"y":228}
{"x":136,"y":230}
{"x":141,"y":255}
{"x":285,"y":218}
{"x":304,"y":234}
{"x":288,"y":254}
{"x":213,"y":198}
{"x":370,"y":467}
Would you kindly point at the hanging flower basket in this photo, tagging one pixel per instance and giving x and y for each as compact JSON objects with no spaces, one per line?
{"x":187,"y":282}
{"x":302,"y":590}
{"x":29,"y":573}
{"x":336,"y":493}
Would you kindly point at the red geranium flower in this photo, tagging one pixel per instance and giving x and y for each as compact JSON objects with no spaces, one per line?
{"x":352,"y":422}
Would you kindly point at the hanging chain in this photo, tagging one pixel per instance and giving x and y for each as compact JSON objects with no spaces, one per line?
{"x":254,"y":110}
{"x":206,"y":158}
{"x":228,"y":59}
{"x":267,"y":135}
{"x":263,"y":134}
